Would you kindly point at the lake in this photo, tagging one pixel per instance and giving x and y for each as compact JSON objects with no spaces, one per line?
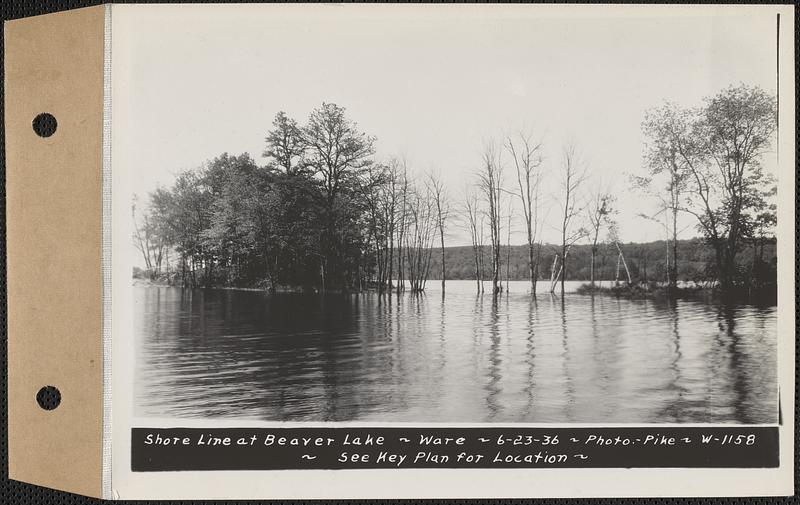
{"x":459,"y":358}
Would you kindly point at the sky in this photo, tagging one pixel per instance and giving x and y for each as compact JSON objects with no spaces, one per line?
{"x":433,"y":83}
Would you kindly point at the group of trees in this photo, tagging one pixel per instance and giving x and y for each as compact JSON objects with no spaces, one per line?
{"x":583,"y":213}
{"x":323,"y":213}
{"x":706,"y":162}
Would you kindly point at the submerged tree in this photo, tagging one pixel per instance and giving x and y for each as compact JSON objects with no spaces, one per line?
{"x":440,"y":200}
{"x":573,"y":175}
{"x":490,"y":183}
{"x":420,"y":235}
{"x":472,"y":213}
{"x":527,"y":157}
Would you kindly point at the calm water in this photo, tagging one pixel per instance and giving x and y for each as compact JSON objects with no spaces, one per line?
{"x":464,"y":358}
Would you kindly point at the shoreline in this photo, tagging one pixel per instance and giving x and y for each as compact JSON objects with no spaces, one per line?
{"x":685,"y":291}
{"x":766,"y":295}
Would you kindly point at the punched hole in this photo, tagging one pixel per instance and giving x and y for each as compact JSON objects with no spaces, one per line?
{"x":49,"y":397}
{"x":45,"y":124}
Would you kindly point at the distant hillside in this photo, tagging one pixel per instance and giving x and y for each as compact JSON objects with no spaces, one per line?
{"x":646,"y":261}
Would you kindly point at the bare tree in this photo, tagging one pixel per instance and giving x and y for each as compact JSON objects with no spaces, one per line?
{"x":482,"y":248}
{"x":149,"y":238}
{"x":508,"y":245}
{"x":490,"y":184}
{"x":390,"y":211}
{"x":376,"y":190}
{"x":472,"y":213}
{"x":401,"y":218}
{"x":141,"y":238}
{"x":527,"y":157}
{"x":420,"y":235}
{"x":437,"y":191}
{"x":600,"y":208}
{"x":573,"y":175}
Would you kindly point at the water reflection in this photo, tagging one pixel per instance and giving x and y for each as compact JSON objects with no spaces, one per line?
{"x":459,"y":358}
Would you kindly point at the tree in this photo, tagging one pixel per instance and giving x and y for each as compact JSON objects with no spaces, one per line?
{"x":190,"y":215}
{"x":613,"y":237}
{"x":337,"y":152}
{"x":765,"y":218}
{"x":664,"y":127}
{"x":440,"y":200}
{"x":738,"y":124}
{"x":421,"y":225}
{"x":600,"y":208}
{"x":573,"y":175}
{"x":390,"y":198}
{"x":286,"y":146}
{"x":229,"y":236}
{"x":377,"y":192}
{"x":141,"y":235}
{"x":527,"y":157}
{"x":401,"y":219}
{"x":720,"y":146}
{"x":472,"y":213}
{"x":490,"y":184}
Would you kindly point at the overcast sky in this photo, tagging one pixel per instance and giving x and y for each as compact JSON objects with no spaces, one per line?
{"x":431,"y":83}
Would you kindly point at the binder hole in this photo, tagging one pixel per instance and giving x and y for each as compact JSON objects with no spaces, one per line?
{"x":45,"y":124}
{"x":49,"y":397}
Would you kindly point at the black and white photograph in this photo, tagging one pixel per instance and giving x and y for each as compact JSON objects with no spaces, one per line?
{"x":462,"y":217}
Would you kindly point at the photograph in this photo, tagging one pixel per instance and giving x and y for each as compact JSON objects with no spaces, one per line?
{"x":467,"y":216}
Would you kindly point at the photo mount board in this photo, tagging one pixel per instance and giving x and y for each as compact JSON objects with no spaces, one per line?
{"x":56,"y":64}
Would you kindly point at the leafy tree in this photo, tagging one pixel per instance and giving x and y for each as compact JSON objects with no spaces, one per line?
{"x":337,"y":153}
{"x":665,"y":128}
{"x":230,"y":234}
{"x":286,"y":146}
{"x":719,"y":147}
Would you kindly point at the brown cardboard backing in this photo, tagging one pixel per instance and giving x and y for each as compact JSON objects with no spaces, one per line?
{"x":54,"y":63}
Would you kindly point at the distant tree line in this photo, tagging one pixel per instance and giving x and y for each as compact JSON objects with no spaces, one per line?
{"x":323,"y":214}
{"x":647,"y":262}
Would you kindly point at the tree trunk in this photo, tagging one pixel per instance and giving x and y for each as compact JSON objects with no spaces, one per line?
{"x":674,"y":276}
{"x":624,"y":263}
{"x":563,"y":268}
{"x":441,"y":237}
{"x":391,"y":260}
{"x":536,"y":269}
{"x":531,"y":268}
